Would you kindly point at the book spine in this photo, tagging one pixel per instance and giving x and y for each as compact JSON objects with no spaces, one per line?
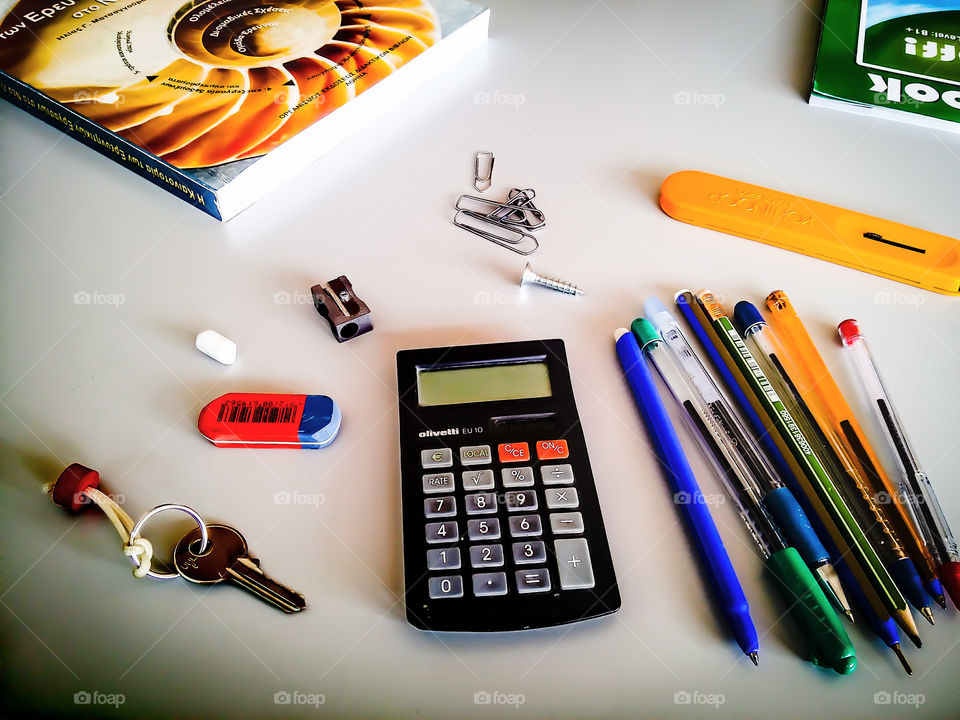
{"x":111,"y":145}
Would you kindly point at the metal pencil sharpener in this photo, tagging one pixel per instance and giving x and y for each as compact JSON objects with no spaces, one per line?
{"x":347,"y":314}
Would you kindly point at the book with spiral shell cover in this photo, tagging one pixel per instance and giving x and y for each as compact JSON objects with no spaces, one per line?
{"x":897,"y":59}
{"x":219,"y":101}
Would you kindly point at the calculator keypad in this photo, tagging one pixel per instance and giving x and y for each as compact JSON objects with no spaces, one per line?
{"x":533,"y":581}
{"x":436,"y":458}
{"x":481,"y":503}
{"x":448,"y":586}
{"x":443,"y":559}
{"x":478,"y":480}
{"x":442,"y":506}
{"x":517,"y":477}
{"x":438,"y":483}
{"x":486,"y":556}
{"x":487,"y":529}
{"x":507,"y":507}
{"x":562,"y":498}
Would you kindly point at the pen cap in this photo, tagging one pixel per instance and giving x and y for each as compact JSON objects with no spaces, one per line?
{"x":657,"y":313}
{"x":950,"y":577}
{"x":849,"y":331}
{"x":831,"y":646}
{"x":745,"y":316}
{"x":644,"y":332}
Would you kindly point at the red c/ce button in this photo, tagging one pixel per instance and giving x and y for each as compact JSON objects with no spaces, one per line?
{"x":513,"y":452}
{"x":552,"y":450}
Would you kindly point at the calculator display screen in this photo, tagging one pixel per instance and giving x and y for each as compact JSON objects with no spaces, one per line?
{"x":483,"y":383}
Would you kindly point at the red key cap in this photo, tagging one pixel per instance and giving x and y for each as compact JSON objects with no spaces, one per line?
{"x":552,"y":450}
{"x":513,"y":452}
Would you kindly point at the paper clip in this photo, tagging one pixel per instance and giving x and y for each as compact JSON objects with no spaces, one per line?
{"x":511,"y":238}
{"x":483,"y":170}
{"x":516,"y":211}
{"x":522,"y":199}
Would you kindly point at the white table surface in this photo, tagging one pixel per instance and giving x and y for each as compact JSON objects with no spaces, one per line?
{"x":584,"y":109}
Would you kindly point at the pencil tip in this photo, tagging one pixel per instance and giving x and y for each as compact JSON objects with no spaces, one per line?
{"x":903,"y":660}
{"x":941,"y":601}
{"x":928,"y":614}
{"x":849,"y":615}
{"x":755,"y":657}
{"x":915,"y":639}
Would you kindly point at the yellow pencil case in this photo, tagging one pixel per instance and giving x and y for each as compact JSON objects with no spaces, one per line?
{"x":863,"y":242}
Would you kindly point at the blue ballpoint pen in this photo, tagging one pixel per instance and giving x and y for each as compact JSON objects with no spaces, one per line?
{"x":749,"y":466}
{"x":702,"y":530}
{"x":884,"y":628}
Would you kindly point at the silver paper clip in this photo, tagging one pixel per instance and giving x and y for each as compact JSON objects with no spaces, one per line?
{"x":522,"y":199}
{"x":483,"y":170}
{"x":506,"y":236}
{"x":516,"y":211}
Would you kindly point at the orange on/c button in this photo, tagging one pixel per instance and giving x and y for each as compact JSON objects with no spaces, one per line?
{"x":513,"y":452}
{"x":552,"y":449}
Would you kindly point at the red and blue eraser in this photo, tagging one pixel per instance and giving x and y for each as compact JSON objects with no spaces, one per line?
{"x":270,"y":420}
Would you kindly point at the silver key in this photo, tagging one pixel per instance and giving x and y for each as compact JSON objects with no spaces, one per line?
{"x":227,"y":559}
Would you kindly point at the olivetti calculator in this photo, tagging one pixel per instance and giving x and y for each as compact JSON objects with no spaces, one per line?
{"x":502,"y":527}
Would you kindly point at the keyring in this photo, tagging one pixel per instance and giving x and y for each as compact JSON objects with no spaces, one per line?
{"x":135,"y":535}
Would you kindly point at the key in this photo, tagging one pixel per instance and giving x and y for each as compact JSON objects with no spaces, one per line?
{"x":227,"y":559}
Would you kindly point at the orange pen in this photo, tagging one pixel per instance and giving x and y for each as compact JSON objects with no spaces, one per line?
{"x":816,"y":379}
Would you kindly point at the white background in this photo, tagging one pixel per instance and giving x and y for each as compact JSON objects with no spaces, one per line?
{"x":583,"y":109}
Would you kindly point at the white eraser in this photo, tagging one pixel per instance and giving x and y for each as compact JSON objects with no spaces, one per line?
{"x":220,"y":348}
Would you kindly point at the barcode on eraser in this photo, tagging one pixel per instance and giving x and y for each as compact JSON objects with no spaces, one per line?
{"x":255,"y":412}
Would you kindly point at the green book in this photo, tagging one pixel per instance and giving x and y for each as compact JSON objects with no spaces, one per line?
{"x":898,"y":59}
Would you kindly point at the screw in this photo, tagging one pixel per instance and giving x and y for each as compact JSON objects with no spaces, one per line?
{"x":532,"y":278}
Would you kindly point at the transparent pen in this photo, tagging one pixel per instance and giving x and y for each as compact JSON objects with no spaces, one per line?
{"x":933,"y":524}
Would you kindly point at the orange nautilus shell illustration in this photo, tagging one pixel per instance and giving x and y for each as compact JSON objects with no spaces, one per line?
{"x":208,"y":82}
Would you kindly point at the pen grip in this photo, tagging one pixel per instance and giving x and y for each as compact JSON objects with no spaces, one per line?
{"x":831,"y":647}
{"x":949,"y":573}
{"x":905,"y":575}
{"x":793,"y":522}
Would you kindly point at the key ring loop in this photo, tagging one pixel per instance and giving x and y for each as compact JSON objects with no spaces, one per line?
{"x":135,"y":535}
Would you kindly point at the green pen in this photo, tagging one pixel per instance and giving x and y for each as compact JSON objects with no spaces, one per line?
{"x":814,"y":471}
{"x":806,"y":601}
